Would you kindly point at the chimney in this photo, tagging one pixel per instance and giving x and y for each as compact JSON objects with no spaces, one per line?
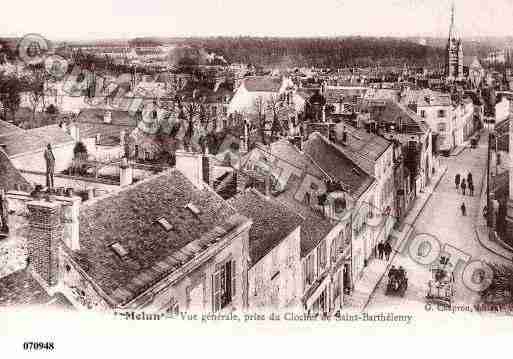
{"x":122,"y":135}
{"x":107,"y":118}
{"x":90,"y":193}
{"x":218,"y":83}
{"x":268,"y":185}
{"x":126,"y":173}
{"x":332,"y":136}
{"x":74,"y":131}
{"x":191,"y":166}
{"x":45,"y":234}
{"x":71,"y":212}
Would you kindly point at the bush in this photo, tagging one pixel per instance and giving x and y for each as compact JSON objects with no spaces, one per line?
{"x":80,"y":150}
{"x":52,"y":110}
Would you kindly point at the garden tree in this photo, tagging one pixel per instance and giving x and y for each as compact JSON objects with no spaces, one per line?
{"x":273,"y":103}
{"x":79,"y":158}
{"x":52,"y":110}
{"x":259,"y":106}
{"x":80,"y":150}
{"x":191,"y":109}
{"x":10,"y":89}
{"x":35,"y":87}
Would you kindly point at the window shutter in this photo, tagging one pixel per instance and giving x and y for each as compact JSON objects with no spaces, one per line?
{"x":215,"y":292}
{"x":234,"y":279}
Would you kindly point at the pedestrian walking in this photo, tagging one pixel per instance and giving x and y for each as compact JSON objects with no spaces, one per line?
{"x":463,"y":209}
{"x":380,"y":250}
{"x":457,"y":181}
{"x":463,"y":186}
{"x":471,"y":188}
{"x":388,"y":250}
{"x":469,"y":178}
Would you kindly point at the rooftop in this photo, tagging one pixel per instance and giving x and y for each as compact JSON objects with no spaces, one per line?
{"x":337,"y":165}
{"x":96,"y":116}
{"x":361,"y":147}
{"x":420,"y":97}
{"x":272,"y":221}
{"x":21,"y":289}
{"x":130,"y":219}
{"x":6,"y":128}
{"x":11,"y":177}
{"x":390,"y":114}
{"x":262,"y":84}
{"x":36,"y":139}
{"x":334,"y":95}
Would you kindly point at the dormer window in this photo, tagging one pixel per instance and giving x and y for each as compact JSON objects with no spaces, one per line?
{"x":119,"y":250}
{"x":165,"y":224}
{"x":339,"y":205}
{"x":191,"y":207}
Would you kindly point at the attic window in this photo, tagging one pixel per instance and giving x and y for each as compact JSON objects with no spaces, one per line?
{"x":119,"y":250}
{"x":165,"y":224}
{"x":191,"y":207}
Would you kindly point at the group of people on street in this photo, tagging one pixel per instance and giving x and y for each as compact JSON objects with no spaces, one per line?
{"x":384,"y":250}
{"x":463,"y":184}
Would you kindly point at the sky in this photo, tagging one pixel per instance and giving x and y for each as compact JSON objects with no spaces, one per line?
{"x":91,"y":19}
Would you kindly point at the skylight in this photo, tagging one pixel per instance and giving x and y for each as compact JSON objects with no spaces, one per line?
{"x":165,"y":224}
{"x":119,"y":250}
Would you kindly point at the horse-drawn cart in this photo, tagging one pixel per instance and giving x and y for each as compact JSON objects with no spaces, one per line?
{"x":397,"y":282}
{"x":441,"y":286}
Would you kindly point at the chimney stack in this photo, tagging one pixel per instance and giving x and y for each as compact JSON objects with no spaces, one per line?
{"x":191,"y":166}
{"x":125,"y":173}
{"x":45,"y":234}
{"x":107,"y":118}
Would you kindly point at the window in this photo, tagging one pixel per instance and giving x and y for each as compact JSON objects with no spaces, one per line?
{"x":442,"y":127}
{"x":223,"y":285}
{"x":423,"y":113}
{"x":321,"y":256}
{"x":308,"y":270}
{"x":441,"y":113}
{"x":337,"y":286}
{"x":340,"y":205}
{"x":336,"y":246}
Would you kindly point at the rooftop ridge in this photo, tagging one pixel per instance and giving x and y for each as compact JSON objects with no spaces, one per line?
{"x":119,"y":190}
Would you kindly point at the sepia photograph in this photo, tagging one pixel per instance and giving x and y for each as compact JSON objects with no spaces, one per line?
{"x":229,"y":169}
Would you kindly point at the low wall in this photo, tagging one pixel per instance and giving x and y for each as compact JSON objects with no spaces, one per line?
{"x":83,"y":184}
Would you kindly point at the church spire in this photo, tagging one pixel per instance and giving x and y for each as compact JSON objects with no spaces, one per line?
{"x":452,"y":29}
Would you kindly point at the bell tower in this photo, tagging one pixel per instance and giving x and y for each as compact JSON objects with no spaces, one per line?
{"x":454,"y":64}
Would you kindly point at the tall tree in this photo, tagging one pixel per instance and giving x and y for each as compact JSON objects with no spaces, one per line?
{"x":259,"y":106}
{"x":35,"y":87}
{"x":10,"y":89}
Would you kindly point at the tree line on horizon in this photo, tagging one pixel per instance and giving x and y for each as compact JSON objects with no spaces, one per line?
{"x":320,"y":52}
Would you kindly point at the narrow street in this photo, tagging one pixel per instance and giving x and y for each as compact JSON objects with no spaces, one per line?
{"x":442,"y":218}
